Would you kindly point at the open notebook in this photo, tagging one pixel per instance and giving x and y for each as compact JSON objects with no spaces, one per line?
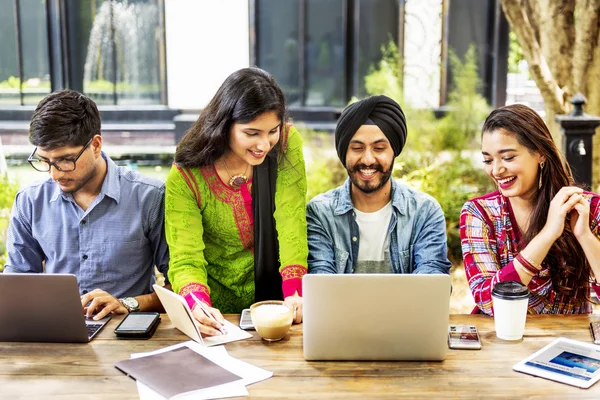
{"x":181,"y":316}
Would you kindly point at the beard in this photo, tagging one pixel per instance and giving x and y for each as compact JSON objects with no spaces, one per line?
{"x":79,"y":183}
{"x":369,"y":186}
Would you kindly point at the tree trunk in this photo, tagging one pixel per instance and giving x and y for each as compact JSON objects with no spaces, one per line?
{"x":526,"y":31}
{"x":593,"y":108}
{"x":560,"y":41}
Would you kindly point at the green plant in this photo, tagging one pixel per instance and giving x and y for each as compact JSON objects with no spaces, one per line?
{"x":8,"y":191}
{"x":515,"y":53}
{"x":324,"y":174}
{"x":459,"y":128}
{"x":386,"y":78}
{"x":14,"y":82}
{"x":323,"y":168}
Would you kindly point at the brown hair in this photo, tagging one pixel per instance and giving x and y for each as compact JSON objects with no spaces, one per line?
{"x":566,"y":254}
{"x":64,"y":118}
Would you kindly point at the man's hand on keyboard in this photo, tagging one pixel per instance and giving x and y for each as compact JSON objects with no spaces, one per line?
{"x":101,"y":303}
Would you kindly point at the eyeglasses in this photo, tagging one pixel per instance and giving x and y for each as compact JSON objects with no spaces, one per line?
{"x":64,"y":165}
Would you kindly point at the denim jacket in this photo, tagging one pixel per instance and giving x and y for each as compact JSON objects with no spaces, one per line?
{"x":417,"y":233}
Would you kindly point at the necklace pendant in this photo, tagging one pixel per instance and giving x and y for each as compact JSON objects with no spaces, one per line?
{"x":237,"y":181}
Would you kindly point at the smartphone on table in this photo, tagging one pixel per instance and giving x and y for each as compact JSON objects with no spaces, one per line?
{"x":246,"y":320}
{"x":463,"y":337}
{"x":138,"y":325}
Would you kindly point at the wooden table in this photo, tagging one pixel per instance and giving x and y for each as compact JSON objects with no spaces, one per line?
{"x":78,"y":371}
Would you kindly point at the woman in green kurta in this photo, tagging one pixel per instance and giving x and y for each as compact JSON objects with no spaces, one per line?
{"x":235,"y":203}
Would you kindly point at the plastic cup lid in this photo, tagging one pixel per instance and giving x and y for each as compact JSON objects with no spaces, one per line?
{"x":510,"y":290}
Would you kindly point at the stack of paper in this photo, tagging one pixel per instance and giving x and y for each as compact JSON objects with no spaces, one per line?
{"x":191,"y":371}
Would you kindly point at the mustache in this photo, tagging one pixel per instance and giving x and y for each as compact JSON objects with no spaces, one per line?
{"x":357,"y":167}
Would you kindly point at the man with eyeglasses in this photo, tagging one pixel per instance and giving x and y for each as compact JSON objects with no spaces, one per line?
{"x":91,"y":218}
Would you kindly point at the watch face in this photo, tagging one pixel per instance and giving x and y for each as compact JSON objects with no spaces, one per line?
{"x":131,"y":303}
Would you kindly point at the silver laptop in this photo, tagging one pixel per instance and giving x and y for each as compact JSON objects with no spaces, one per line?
{"x":43,"y":308}
{"x":376,"y":316}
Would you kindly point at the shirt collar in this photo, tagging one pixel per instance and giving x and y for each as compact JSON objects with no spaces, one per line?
{"x":110,"y":186}
{"x":344,"y":201}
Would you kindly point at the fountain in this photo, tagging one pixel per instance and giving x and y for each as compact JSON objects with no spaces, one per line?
{"x":135,"y":27}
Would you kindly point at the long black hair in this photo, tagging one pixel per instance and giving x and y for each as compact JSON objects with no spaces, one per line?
{"x":569,"y":268}
{"x":245,"y":95}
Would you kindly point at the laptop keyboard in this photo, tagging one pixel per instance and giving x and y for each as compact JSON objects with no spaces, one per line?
{"x":92,"y":329}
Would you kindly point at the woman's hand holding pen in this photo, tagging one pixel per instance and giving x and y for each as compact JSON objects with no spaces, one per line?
{"x":210,"y":320}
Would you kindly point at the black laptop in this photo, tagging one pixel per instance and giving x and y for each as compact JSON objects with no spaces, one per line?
{"x":43,"y":308}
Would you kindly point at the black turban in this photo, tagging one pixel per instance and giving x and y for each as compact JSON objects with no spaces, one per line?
{"x":381,"y":111}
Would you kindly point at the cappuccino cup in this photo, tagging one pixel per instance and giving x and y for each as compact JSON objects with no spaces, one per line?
{"x":510,"y":300}
{"x":272,"y":319}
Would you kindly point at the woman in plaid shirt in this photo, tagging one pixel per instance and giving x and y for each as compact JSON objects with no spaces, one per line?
{"x":537,"y":228}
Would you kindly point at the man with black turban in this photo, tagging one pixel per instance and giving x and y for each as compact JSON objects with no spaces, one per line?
{"x":374,"y":224}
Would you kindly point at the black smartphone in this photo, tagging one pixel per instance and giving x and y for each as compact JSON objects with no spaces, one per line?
{"x":595,"y":329}
{"x":246,"y":320}
{"x":139,"y":325}
{"x":463,"y":337}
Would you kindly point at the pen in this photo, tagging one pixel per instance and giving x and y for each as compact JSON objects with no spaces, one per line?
{"x":207,"y":313}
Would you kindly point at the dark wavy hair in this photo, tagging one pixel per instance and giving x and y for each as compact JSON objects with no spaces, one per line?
{"x":64,"y":118}
{"x":245,"y":95}
{"x":566,"y":255}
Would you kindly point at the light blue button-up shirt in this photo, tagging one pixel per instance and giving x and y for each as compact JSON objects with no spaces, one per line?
{"x":113,"y":245}
{"x":417,"y":233}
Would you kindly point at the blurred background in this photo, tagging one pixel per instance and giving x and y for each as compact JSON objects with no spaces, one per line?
{"x":152,"y":65}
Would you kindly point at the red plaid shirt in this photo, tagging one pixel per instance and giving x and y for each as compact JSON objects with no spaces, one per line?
{"x":489,"y":238}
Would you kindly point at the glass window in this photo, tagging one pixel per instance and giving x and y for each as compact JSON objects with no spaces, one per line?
{"x":34,"y":45}
{"x":303,"y":44}
{"x":324,"y":53}
{"x":9,"y":73}
{"x":138,"y":38}
{"x":115,"y":51}
{"x":378,"y":25}
{"x":278,"y":44}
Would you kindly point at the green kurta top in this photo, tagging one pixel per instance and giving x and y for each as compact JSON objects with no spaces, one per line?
{"x":210,"y":231}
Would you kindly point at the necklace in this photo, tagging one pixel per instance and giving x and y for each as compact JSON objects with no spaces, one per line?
{"x":236,"y":181}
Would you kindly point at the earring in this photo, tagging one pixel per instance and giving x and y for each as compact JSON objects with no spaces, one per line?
{"x":541,"y":170}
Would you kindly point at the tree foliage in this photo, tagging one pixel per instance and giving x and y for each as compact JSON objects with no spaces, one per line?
{"x":8,"y":191}
{"x":467,"y":107}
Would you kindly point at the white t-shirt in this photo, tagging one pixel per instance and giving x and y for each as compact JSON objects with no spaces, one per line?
{"x":373,"y":229}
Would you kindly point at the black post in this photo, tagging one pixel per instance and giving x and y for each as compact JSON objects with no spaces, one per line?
{"x":57,"y":44}
{"x":19,"y":49}
{"x":578,"y":130}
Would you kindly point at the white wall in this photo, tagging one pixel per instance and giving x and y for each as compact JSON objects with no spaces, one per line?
{"x":206,"y":40}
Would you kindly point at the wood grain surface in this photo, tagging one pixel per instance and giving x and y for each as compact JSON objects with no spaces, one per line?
{"x":86,"y":371}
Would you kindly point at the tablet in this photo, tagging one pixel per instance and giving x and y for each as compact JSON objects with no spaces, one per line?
{"x":565,"y":360}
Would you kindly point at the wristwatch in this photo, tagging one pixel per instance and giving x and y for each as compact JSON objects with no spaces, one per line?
{"x":130,"y":303}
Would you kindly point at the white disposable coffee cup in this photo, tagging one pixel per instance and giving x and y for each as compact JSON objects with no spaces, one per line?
{"x":510,"y":300}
